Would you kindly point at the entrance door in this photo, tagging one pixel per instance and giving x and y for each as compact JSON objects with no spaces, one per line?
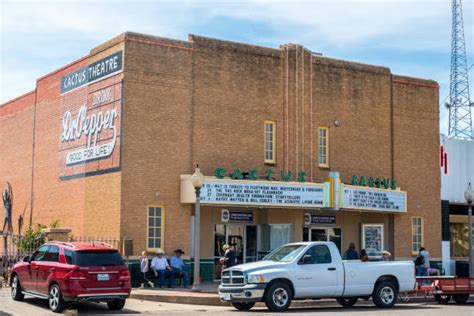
{"x":242,"y":237}
{"x":235,"y":237}
{"x":323,"y":234}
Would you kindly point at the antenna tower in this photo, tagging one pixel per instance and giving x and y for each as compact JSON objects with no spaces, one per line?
{"x":460,"y":116}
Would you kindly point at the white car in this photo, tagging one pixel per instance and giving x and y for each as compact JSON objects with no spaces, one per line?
{"x":311,"y":270}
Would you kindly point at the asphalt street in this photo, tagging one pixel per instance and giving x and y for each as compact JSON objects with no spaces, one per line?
{"x":36,"y":307}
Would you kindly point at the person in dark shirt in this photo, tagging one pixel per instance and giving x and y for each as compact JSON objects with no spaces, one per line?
{"x":363,"y":256}
{"x":351,"y":253}
{"x":229,"y":256}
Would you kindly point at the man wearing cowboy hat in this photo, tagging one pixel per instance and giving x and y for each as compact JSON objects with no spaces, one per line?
{"x":161,"y":268}
{"x":177,"y":265}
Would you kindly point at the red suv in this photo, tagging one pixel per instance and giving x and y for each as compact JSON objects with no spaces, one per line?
{"x":72,"y":272}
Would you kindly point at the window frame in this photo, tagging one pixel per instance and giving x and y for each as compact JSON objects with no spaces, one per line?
{"x":269,"y":161}
{"x":422,"y":239}
{"x":323,"y":165}
{"x":48,"y":253}
{"x":162,"y":227}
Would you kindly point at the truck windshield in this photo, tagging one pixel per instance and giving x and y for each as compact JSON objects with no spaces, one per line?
{"x":285,"y":253}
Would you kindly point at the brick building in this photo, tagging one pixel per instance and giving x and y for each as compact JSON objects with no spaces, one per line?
{"x":106,"y":144}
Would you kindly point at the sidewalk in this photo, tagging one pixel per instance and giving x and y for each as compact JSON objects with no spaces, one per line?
{"x":208,"y":295}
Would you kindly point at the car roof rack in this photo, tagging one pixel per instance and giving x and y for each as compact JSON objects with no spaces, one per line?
{"x":62,"y":243}
{"x":93,"y":242}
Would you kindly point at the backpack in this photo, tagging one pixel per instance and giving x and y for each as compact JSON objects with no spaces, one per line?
{"x":419,"y":260}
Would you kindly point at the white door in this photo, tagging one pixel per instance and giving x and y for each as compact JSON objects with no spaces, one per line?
{"x":318,"y":275}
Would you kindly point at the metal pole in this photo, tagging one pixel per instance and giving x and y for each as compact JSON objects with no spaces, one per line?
{"x":197,"y":255}
{"x":471,"y":257}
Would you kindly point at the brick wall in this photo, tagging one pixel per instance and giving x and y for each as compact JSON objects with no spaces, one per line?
{"x":205,"y":101}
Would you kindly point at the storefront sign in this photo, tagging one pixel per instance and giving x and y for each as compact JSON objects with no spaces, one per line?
{"x":98,"y":70}
{"x":228,"y":216}
{"x":90,"y":129}
{"x":374,"y":182}
{"x":373,"y":199}
{"x":260,"y":193}
{"x":319,"y":219}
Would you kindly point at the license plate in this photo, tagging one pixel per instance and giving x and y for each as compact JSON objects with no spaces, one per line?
{"x":225,"y":296}
{"x":102,"y":277}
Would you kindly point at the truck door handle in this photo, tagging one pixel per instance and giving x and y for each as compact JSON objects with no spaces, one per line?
{"x":332,"y":269}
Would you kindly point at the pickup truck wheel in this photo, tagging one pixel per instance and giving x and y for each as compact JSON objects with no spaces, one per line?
{"x":278,"y":297}
{"x":442,"y":299}
{"x":385,"y":294}
{"x":16,"y":289}
{"x":347,"y":301}
{"x":55,"y":300}
{"x":116,"y":305}
{"x":243,"y":306}
{"x":461,"y":298}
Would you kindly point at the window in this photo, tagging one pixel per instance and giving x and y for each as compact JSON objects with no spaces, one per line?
{"x":323,"y":158}
{"x":52,"y":254}
{"x":69,"y":256}
{"x":270,"y":142}
{"x":98,"y":258}
{"x":319,"y":254}
{"x":459,"y":237}
{"x":39,"y":254}
{"x":155,"y":227}
{"x":416,"y":234}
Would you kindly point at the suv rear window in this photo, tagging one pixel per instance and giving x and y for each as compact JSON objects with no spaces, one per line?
{"x":97,"y":258}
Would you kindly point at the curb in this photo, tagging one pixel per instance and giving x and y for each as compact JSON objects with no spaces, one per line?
{"x":212,"y":300}
{"x":192,"y":300}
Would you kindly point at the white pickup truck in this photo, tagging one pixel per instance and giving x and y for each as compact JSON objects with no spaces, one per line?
{"x":312,"y":270}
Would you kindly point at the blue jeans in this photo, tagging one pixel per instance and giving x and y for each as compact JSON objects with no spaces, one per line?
{"x":421,"y":271}
{"x":180,"y":273}
{"x":162,"y":274}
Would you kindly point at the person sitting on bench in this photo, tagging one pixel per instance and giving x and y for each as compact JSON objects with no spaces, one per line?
{"x":161,"y":268}
{"x":177,"y":265}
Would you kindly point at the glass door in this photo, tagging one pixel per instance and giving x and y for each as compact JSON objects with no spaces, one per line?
{"x":235,"y":237}
{"x":250,"y":243}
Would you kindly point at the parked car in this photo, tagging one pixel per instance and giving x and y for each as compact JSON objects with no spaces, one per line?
{"x":65,"y":273}
{"x":312,"y":270}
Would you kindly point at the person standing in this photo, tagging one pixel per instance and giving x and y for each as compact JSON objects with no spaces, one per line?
{"x":161,"y":268}
{"x":351,"y":253}
{"x":229,"y":257}
{"x":177,"y":266}
{"x":144,"y":269}
{"x":363,"y":256}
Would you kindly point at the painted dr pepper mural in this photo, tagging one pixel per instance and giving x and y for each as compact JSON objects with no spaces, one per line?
{"x":91,"y":101}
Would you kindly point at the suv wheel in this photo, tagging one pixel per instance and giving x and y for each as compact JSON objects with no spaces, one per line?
{"x":347,"y":301}
{"x":278,"y":297}
{"x":17,"y":295}
{"x":116,"y":305}
{"x":55,"y":300}
{"x":243,"y":306}
{"x":385,"y":294}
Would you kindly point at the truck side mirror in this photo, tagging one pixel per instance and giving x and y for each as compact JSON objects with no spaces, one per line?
{"x":307,"y":259}
{"x":26,"y":259}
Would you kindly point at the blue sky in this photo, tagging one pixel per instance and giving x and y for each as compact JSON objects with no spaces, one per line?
{"x":410,"y":37}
